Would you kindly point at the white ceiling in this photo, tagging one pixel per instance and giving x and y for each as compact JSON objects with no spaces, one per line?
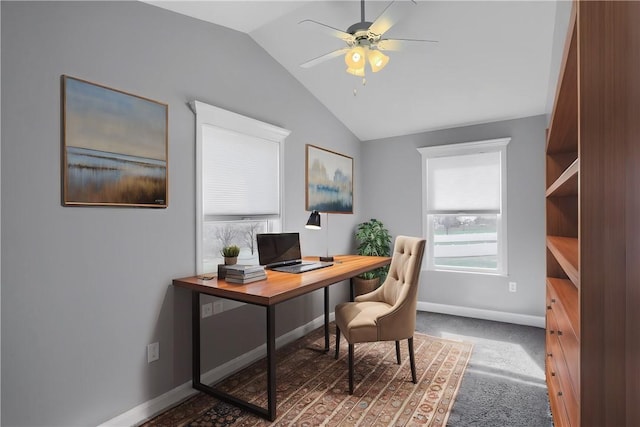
{"x":493,"y":60}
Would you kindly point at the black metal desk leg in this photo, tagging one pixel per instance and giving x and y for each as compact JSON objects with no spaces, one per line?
{"x":271,"y":362}
{"x":195,"y":338}
{"x":269,"y":413}
{"x":326,"y":319}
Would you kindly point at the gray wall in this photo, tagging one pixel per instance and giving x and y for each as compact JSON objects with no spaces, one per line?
{"x":84,"y":290}
{"x":393,"y":171}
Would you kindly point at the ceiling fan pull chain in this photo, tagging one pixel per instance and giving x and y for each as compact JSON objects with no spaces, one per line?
{"x":364,"y":83}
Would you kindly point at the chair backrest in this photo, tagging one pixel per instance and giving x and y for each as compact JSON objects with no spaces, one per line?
{"x":400,"y":289}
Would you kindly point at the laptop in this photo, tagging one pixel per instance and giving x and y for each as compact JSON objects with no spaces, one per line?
{"x":281,"y":252}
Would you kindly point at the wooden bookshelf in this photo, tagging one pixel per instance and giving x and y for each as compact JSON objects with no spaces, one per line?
{"x":593,"y":221}
{"x":563,"y":244}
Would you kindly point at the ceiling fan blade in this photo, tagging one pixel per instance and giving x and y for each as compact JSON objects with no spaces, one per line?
{"x":325,"y":57}
{"x":334,"y":32}
{"x":389,"y":16}
{"x":403,"y":44}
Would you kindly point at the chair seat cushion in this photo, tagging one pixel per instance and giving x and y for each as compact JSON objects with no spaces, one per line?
{"x":357,"y":321}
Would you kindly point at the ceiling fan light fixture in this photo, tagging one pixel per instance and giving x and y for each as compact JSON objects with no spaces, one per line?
{"x":355,"y":58}
{"x":365,"y":41}
{"x":377,"y":60}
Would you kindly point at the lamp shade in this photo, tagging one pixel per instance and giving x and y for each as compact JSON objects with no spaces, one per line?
{"x":356,"y":71}
{"x":355,"y":58}
{"x":377,"y":60}
{"x":314,"y":221}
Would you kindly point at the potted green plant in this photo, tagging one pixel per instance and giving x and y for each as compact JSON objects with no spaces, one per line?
{"x":230,"y":254}
{"x":373,"y":240}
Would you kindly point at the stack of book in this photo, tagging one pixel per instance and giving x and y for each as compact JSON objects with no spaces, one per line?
{"x":245,"y":273}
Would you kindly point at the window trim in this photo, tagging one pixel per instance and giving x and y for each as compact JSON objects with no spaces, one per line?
{"x":210,"y":115}
{"x":458,"y":149}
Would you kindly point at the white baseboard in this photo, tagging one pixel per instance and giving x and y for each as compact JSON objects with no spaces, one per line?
{"x":478,"y":313}
{"x":154,"y":406}
{"x":147,"y":409}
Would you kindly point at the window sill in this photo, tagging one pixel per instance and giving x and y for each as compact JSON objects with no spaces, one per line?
{"x":475,"y":272}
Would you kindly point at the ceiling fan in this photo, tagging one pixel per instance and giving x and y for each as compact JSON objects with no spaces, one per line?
{"x":365,"y":40}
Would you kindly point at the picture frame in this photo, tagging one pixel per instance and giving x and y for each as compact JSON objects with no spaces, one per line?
{"x":329,"y":181}
{"x":114,"y":147}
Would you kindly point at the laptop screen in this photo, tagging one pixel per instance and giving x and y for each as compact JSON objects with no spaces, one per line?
{"x":278,"y":248}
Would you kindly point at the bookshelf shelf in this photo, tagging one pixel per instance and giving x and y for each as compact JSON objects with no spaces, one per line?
{"x":567,"y":182}
{"x":565,"y":250}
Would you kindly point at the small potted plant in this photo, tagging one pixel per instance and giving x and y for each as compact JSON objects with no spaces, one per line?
{"x":373,"y":240}
{"x":230,"y":254}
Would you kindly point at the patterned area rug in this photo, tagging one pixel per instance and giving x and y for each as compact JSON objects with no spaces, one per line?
{"x":312,"y":387}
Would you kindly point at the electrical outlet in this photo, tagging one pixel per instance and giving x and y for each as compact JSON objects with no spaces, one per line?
{"x":217,"y":307}
{"x":153,"y":352}
{"x":513,"y":286}
{"x":207,"y":310}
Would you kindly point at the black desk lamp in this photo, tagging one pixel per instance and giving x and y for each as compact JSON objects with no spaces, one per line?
{"x":314,"y":224}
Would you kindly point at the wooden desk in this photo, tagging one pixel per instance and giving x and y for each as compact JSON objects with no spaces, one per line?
{"x":278,"y":287}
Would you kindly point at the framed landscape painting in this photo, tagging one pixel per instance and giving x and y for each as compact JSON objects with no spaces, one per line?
{"x":329,"y":181}
{"x":114,"y":147}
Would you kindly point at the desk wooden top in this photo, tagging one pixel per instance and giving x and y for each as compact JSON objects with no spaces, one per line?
{"x":280,"y":286}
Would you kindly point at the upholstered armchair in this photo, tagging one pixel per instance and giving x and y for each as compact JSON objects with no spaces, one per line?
{"x":389,"y":312}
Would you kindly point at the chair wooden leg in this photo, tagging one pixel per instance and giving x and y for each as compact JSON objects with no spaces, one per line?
{"x":412,"y":360}
{"x":337,"y":342}
{"x":350,"y":368}
{"x":398,"y":352}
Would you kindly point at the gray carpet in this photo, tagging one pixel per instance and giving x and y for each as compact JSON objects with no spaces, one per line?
{"x":504,"y":383}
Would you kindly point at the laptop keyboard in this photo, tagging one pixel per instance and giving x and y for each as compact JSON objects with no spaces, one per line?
{"x":301,"y":268}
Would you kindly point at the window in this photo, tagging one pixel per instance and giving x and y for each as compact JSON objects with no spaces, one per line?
{"x":464,"y":206}
{"x":239,"y":181}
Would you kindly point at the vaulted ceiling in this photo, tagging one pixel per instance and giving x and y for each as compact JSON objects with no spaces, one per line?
{"x":494,"y":60}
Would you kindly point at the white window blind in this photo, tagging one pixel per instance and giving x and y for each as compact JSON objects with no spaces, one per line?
{"x":240,"y":174}
{"x":239,"y":182}
{"x":464,"y":183}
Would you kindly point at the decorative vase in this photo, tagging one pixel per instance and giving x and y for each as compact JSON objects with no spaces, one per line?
{"x":364,"y":286}
{"x":230,"y":260}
